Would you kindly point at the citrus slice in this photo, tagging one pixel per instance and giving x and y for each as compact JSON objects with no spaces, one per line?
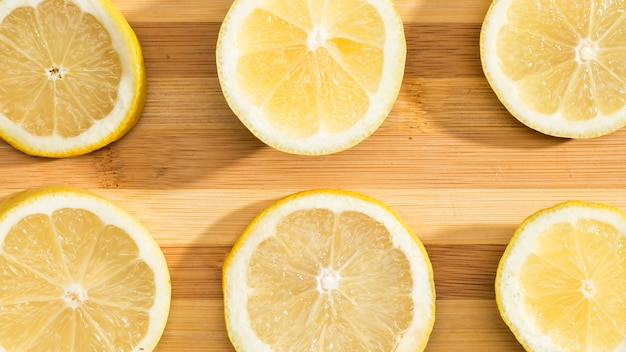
{"x":559,"y":67}
{"x":328,"y":270}
{"x":78,"y":274}
{"x":311,"y":77}
{"x":73,"y":76}
{"x":561,"y":283}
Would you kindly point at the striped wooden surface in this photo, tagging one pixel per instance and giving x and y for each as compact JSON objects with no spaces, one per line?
{"x":449,"y":159}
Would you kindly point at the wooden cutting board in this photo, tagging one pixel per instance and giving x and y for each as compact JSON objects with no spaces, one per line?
{"x":449,"y":159}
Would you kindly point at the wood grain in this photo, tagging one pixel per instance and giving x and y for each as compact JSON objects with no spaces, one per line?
{"x":449,"y":159}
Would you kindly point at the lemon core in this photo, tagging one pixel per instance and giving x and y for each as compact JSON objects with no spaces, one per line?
{"x":328,"y":280}
{"x":74,"y":295}
{"x":586,"y":51}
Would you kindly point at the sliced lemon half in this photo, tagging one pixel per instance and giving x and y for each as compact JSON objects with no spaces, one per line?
{"x":73,"y":77}
{"x":311,"y":77}
{"x":328,"y":270}
{"x":558,"y":66}
{"x":561,"y":283}
{"x":78,"y":273}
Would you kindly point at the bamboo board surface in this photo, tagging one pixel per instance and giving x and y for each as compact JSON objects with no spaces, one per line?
{"x":449,"y":159}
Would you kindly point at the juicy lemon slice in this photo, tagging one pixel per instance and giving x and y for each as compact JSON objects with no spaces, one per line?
{"x":308,"y":76}
{"x":561,"y":283}
{"x":78,"y":274}
{"x":73,"y":76}
{"x":558,"y":66}
{"x":328,"y":270}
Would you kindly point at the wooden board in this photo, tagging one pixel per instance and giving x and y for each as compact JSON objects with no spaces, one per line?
{"x":449,"y":159}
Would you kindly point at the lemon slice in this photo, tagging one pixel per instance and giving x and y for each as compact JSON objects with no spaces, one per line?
{"x":78,"y":274}
{"x":558,"y":66}
{"x":561,"y":283}
{"x":311,"y":77}
{"x":73,"y":76}
{"x":328,"y":270}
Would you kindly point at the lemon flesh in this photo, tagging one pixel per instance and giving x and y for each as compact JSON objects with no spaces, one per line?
{"x":326,"y":289}
{"x":310,"y":74}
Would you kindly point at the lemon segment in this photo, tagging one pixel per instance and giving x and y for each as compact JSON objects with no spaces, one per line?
{"x":74,"y":78}
{"x":330,"y":271}
{"x":560,"y":284}
{"x":311,"y":77}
